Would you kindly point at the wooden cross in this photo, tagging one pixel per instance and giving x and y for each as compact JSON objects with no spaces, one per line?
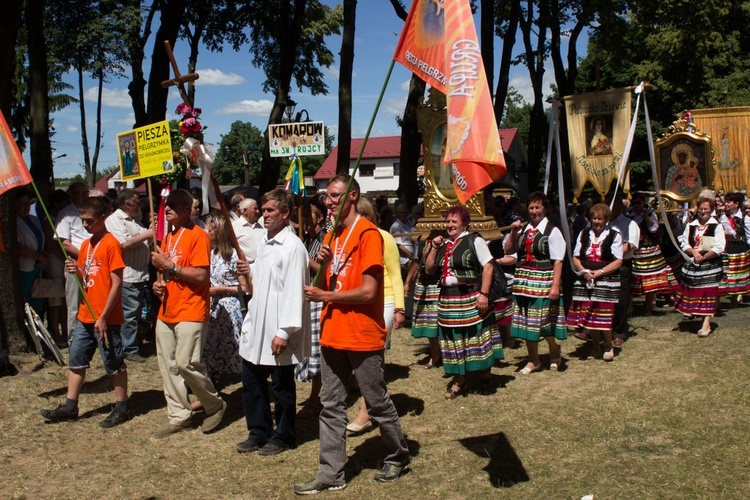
{"x":178,"y":80}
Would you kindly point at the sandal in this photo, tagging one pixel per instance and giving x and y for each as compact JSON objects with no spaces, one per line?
{"x":704,"y":332}
{"x":453,"y":393}
{"x":609,"y":355}
{"x":530,"y":368}
{"x":554,"y":365}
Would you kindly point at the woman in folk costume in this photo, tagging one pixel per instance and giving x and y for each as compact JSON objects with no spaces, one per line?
{"x":537,"y":306}
{"x":735,"y":279}
{"x":469,"y":338}
{"x":598,"y":255}
{"x":651,"y":275}
{"x":704,"y":241}
{"x":425,"y":315}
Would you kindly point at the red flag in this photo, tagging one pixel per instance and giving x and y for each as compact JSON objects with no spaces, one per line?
{"x":439,"y":44}
{"x":13,"y":169}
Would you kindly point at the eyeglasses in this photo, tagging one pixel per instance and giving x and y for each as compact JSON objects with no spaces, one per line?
{"x":334,"y":196}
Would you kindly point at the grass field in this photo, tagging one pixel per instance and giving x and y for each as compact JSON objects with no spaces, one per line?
{"x":668,"y":418}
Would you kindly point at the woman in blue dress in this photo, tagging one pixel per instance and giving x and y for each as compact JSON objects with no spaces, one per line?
{"x":221,"y":348}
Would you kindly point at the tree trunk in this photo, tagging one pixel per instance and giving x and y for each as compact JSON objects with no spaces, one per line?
{"x":345,"y":88}
{"x":503,"y":79}
{"x":411,"y":142}
{"x":535,"y":64}
{"x":136,"y":88}
{"x":172,"y":14}
{"x":11,"y":332}
{"x":487,"y":28}
{"x":98,"y":142}
{"x":84,"y":134}
{"x":41,"y":148}
{"x":288,"y":43}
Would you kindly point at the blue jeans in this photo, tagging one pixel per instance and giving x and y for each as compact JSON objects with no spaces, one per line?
{"x":84,"y":342}
{"x":133,"y":295}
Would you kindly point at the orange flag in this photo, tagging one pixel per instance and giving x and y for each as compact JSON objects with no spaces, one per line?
{"x":13,"y":170}
{"x":439,"y":44}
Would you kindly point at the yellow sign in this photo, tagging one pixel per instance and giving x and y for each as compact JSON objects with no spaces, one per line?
{"x":145,"y":151}
{"x":302,"y":139}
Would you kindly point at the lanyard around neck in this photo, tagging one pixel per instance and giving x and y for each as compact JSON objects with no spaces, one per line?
{"x":338,"y":254}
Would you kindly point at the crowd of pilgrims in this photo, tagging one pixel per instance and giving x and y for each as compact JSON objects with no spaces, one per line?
{"x":620,"y":250}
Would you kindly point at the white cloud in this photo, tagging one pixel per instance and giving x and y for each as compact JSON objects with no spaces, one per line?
{"x":218,"y":77}
{"x":395,"y":107}
{"x":117,"y":98}
{"x":405,"y":85}
{"x":129,"y":119}
{"x":72,"y":128}
{"x":248,"y":107}
{"x":332,"y":72}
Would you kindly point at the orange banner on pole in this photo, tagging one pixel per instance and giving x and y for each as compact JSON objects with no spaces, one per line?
{"x":439,"y":44}
{"x":13,"y":169}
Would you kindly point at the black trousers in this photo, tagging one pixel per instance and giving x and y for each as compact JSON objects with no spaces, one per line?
{"x":620,"y":326}
{"x":257,"y":405}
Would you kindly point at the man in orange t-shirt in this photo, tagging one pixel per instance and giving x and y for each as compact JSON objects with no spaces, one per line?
{"x":99,"y":268}
{"x":352,"y":339}
{"x":184,"y":259}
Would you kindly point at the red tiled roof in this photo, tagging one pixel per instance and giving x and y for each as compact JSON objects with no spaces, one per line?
{"x":377,"y":147}
{"x":386,"y":147}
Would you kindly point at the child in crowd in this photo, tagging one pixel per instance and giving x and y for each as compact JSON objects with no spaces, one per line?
{"x":99,"y":268}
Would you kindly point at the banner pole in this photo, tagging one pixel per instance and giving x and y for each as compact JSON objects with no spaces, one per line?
{"x":65,"y":253}
{"x":356,"y":163}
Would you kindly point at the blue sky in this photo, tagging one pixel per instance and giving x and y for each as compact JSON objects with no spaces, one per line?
{"x":229,"y":89}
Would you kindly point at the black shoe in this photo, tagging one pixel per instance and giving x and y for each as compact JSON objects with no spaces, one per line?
{"x":272,"y":449}
{"x":247,"y":446}
{"x":117,"y":417}
{"x":60,"y":414}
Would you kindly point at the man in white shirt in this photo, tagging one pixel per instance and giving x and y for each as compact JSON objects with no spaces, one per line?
{"x":631,"y":235}
{"x":406,"y":247}
{"x":248,"y":228}
{"x":71,"y":233}
{"x":276,"y":330}
{"x":136,"y":245}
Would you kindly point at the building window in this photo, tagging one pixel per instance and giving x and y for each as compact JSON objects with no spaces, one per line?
{"x":366,"y":169}
{"x":396,"y":168}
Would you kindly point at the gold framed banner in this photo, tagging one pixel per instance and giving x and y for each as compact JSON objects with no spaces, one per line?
{"x":145,"y":151}
{"x":598,"y":125}
{"x":684,"y":161}
{"x":729,"y":129}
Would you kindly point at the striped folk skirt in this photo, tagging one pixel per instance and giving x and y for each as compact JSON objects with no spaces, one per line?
{"x":309,"y":368}
{"x":534,"y":315}
{"x":594,"y":308}
{"x":699,"y":288}
{"x":735,"y":279}
{"x":469,"y":342}
{"x":651,"y":274}
{"x":424,"y":318}
{"x":504,"y":311}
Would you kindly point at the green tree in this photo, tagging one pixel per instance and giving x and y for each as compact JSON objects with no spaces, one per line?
{"x":97,"y":48}
{"x":287,"y":40}
{"x":242,"y":145}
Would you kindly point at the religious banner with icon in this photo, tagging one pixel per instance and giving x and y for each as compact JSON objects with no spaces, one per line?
{"x":598,"y":125}
{"x":145,"y":151}
{"x":301,"y":139}
{"x":729,"y":129}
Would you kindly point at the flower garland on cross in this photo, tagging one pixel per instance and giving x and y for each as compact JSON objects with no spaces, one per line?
{"x":194,"y":150}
